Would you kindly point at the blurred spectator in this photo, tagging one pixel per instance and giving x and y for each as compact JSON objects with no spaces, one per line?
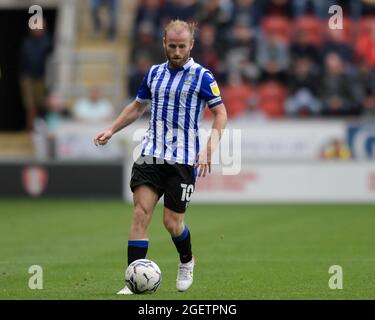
{"x":366,"y":7}
{"x":247,"y":11}
{"x":303,"y":90}
{"x":301,"y":47}
{"x":44,"y":136}
{"x":179,"y":9}
{"x":112,"y":10}
{"x":277,"y":8}
{"x":94,"y":108}
{"x":337,"y":43}
{"x":146,"y":44}
{"x":368,"y":104}
{"x":365,"y":46}
{"x":365,"y":77}
{"x":339,"y":92}
{"x":149,"y":12}
{"x":240,"y":54}
{"x":318,"y":7}
{"x":143,"y":63}
{"x":336,"y":150}
{"x":56,"y":112}
{"x":272,"y":58}
{"x":33,"y":57}
{"x":211,"y":12}
{"x":206,"y":49}
{"x":354,"y":9}
{"x":216,"y":13}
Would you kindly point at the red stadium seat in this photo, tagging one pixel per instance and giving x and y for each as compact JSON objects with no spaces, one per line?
{"x":364,"y":26}
{"x":235,"y":98}
{"x":312,"y":26}
{"x":272,"y":96}
{"x":364,"y":45}
{"x":348,"y":30}
{"x":279,"y":25}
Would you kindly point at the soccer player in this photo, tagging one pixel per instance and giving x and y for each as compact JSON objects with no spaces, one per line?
{"x":178,"y":90}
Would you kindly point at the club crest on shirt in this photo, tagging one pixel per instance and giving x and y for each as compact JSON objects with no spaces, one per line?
{"x":156,"y":77}
{"x":215,"y":89}
{"x":190,"y":78}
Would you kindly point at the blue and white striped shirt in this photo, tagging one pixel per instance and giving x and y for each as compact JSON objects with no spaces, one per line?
{"x":178,"y":97}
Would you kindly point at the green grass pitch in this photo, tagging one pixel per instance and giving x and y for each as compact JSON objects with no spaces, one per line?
{"x":243,"y":251}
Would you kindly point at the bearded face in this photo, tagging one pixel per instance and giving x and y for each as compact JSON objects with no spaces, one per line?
{"x":177,"y":46}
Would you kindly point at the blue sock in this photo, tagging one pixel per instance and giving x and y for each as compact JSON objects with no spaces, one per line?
{"x":183,"y":245}
{"x":137,"y":249}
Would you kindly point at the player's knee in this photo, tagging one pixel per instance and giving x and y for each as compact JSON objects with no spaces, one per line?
{"x":141,"y":216}
{"x":173,"y":226}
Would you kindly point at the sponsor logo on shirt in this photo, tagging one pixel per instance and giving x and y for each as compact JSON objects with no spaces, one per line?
{"x":215,"y":89}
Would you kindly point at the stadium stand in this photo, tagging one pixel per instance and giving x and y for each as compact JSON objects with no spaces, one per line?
{"x":312,"y":26}
{"x":92,"y":56}
{"x":280,"y":18}
{"x":230,"y":39}
{"x":271,"y":98}
{"x":279,"y":25}
{"x":78,"y":61}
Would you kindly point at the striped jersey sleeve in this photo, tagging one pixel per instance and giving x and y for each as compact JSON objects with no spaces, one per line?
{"x":144,"y":92}
{"x":209,"y":90}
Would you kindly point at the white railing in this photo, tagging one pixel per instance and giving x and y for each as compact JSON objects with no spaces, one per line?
{"x":59,"y":67}
{"x":79,"y":59}
{"x":66,"y":64}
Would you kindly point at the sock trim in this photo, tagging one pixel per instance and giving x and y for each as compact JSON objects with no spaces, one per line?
{"x":138,"y":243}
{"x":183,"y":235}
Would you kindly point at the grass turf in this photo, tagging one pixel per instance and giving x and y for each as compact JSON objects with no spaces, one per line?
{"x":243,"y":251}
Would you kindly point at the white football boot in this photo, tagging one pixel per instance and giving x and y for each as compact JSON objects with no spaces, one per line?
{"x":125,"y":291}
{"x":185,"y":275}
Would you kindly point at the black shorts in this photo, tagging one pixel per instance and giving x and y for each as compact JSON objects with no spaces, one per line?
{"x":175,"y":181}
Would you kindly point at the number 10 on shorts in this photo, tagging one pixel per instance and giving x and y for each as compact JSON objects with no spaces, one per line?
{"x":187,"y":190}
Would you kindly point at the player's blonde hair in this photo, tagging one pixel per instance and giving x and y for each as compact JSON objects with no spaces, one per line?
{"x":180,"y":25}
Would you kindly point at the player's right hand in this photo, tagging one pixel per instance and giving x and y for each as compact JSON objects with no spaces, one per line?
{"x":103,"y":137}
{"x":203,"y":163}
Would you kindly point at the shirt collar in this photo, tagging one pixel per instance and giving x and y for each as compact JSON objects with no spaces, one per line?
{"x":186,"y":66}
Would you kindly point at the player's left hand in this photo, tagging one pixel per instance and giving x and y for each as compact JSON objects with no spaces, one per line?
{"x":203,"y":164}
{"x":103,"y":137}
